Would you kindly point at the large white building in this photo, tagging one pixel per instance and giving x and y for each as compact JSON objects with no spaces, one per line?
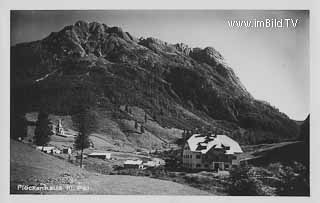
{"x":210,"y":152}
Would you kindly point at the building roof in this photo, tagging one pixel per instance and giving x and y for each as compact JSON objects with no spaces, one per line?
{"x":133,"y":162}
{"x":45,"y":147}
{"x":99,"y":154}
{"x":203,"y":143}
{"x":150,"y":163}
{"x":158,"y":160}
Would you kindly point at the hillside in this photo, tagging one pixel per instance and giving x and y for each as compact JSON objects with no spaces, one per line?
{"x":31,"y":167}
{"x":164,"y":87}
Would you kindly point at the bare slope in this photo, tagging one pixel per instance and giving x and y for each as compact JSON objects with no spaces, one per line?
{"x":31,"y":167}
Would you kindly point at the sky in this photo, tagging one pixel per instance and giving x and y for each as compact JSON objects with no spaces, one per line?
{"x":271,"y":62}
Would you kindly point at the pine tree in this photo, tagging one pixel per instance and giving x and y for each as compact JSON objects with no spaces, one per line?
{"x":135,"y":124}
{"x":81,"y":141}
{"x":141,"y":129}
{"x":145,"y":117}
{"x":19,"y":127}
{"x":42,"y":131}
{"x":86,"y":122}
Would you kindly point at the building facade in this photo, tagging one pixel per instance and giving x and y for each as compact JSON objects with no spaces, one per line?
{"x":138,"y":164}
{"x":100,"y":155}
{"x":59,"y":129}
{"x":210,"y":152}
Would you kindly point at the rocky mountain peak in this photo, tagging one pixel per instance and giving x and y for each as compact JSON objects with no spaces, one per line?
{"x":156,"y":45}
{"x":207,"y":55}
{"x":183,"y":48}
{"x":180,"y":85}
{"x":83,"y":25}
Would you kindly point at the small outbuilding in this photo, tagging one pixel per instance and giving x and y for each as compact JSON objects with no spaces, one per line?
{"x":133,"y":164}
{"x":67,"y":150}
{"x":100,"y":155}
{"x":48,"y":149}
{"x":150,"y":164}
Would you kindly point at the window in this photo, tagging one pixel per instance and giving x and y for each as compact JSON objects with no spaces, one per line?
{"x":204,"y":157}
{"x":198,"y":165}
{"x":198,"y":156}
{"x":216,"y":166}
{"x":206,"y":165}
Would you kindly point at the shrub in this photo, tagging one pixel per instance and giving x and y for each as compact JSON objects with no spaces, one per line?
{"x":243,"y":182}
{"x":294,"y":180}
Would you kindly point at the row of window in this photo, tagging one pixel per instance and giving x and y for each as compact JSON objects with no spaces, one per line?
{"x":205,"y":165}
{"x":197,"y":165}
{"x":198,"y":156}
{"x":216,"y":165}
{"x":188,"y":165}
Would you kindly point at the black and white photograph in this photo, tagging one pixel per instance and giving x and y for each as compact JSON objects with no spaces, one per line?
{"x":160,"y":102}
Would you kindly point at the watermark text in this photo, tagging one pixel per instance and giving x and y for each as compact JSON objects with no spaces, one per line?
{"x":265,"y":23}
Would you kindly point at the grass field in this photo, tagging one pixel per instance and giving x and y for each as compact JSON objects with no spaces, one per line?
{"x":33,"y":168}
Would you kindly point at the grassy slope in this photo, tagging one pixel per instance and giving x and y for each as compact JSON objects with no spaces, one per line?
{"x":117,"y":134}
{"x":31,"y":167}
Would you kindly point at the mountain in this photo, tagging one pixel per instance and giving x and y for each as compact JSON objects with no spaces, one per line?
{"x":305,"y":130}
{"x":125,"y":79}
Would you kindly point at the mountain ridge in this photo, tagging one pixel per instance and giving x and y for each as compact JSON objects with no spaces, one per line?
{"x":176,"y":85}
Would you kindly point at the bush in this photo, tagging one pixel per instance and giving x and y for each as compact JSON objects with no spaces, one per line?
{"x":294,"y":180}
{"x":243,"y":182}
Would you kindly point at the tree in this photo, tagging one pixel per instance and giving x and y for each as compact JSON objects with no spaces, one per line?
{"x":154,"y":116}
{"x":86,"y":122}
{"x":244,"y":183}
{"x":161,"y":112}
{"x":42,"y":131}
{"x":19,"y":127}
{"x":141,"y":129}
{"x":294,"y":180}
{"x":136,"y":125}
{"x":145,"y":117}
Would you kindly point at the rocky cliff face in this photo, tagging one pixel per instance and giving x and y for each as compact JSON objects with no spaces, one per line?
{"x":179,"y":86}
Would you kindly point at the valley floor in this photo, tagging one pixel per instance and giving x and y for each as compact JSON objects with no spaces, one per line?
{"x":29,"y":167}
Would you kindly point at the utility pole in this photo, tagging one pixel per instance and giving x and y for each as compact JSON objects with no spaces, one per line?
{"x":82,"y":143}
